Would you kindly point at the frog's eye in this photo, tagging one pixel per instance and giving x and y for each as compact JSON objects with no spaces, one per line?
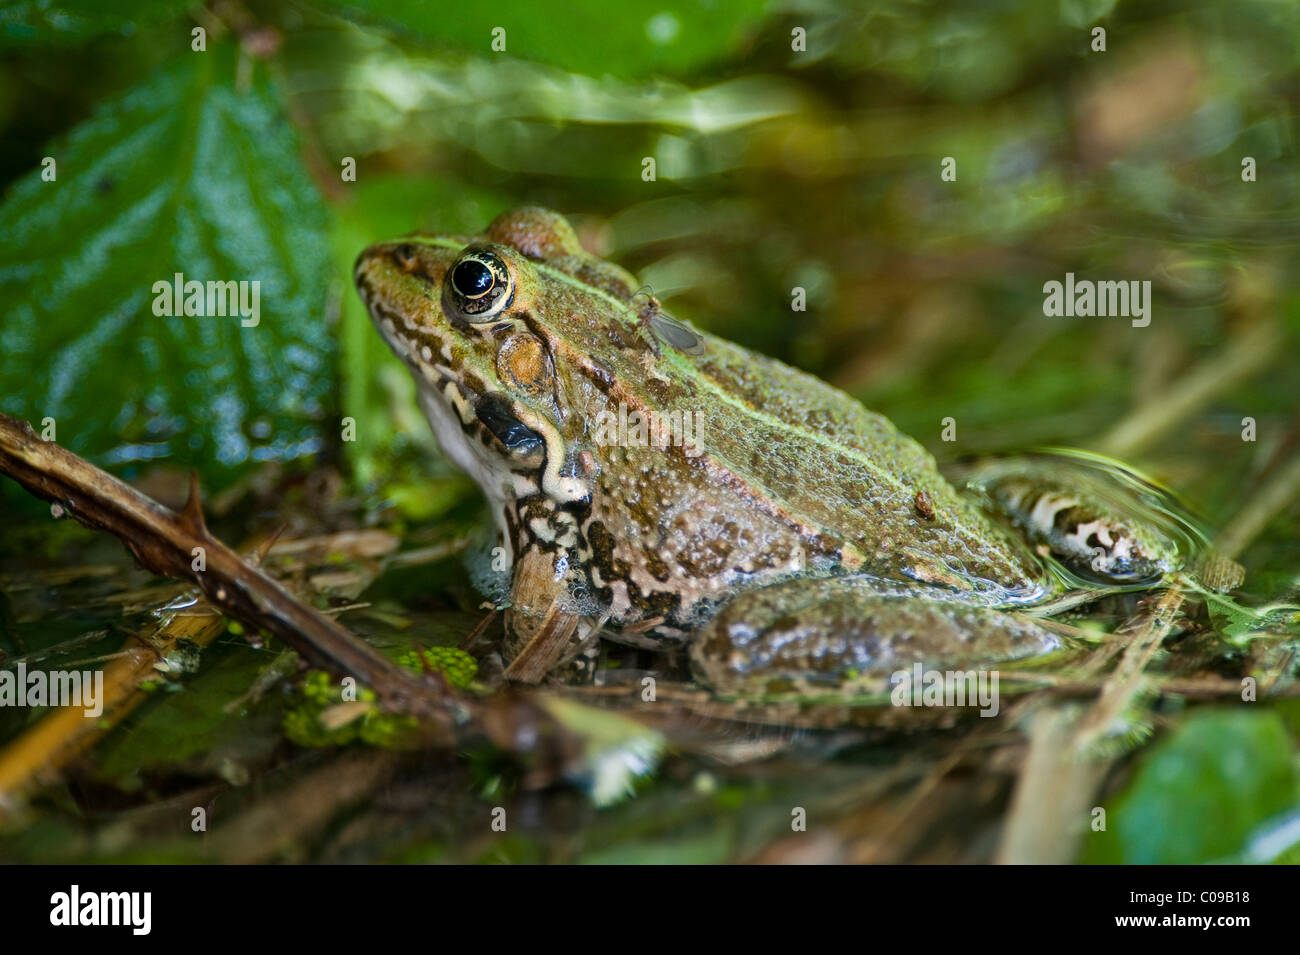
{"x":479,"y":285}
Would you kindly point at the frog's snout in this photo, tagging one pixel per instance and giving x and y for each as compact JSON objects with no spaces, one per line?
{"x":403,"y":257}
{"x":366,"y":269}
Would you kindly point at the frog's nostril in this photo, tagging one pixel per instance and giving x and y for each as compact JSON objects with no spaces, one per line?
{"x":404,"y":256}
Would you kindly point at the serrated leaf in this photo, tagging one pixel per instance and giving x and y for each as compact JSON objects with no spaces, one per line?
{"x":184,"y":174}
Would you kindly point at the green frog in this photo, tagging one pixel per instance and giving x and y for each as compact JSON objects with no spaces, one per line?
{"x":662,"y":487}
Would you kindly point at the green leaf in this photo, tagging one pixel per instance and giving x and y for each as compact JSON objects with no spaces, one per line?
{"x":184,"y":174}
{"x":630,"y":39}
{"x":1199,"y":795}
{"x":1082,"y":14}
{"x":54,"y":21}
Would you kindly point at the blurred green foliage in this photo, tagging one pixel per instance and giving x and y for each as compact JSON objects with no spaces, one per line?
{"x":646,"y":37}
{"x":1198,"y":796}
{"x":777,"y":167}
{"x":48,"y":22}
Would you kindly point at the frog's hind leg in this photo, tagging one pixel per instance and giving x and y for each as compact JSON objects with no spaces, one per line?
{"x":810,"y":636}
{"x":1094,"y":517}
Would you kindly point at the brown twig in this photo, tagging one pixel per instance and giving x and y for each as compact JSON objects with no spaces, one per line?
{"x":1244,"y":356}
{"x":169,"y":543}
{"x":35,"y":757}
{"x":1262,"y":507}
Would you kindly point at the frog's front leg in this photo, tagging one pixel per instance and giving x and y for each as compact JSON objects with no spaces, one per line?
{"x":543,"y":623}
{"x":810,"y":636}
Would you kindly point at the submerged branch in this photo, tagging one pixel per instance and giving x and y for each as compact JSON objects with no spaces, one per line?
{"x":173,"y":544}
{"x":36,"y":756}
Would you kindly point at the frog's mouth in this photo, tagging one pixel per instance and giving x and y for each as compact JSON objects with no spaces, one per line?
{"x":509,"y":448}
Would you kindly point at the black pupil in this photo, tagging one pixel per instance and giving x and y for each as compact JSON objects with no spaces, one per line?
{"x":471,"y":278}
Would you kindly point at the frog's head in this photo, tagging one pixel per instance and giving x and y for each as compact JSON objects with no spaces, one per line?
{"x":517,"y":339}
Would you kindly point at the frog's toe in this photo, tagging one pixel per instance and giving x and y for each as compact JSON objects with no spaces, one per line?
{"x":806,"y":637}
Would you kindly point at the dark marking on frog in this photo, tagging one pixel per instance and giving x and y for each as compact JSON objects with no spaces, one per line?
{"x":536,"y":506}
{"x":539,"y":332}
{"x":420,"y":338}
{"x":602,"y":553}
{"x":581,"y":511}
{"x":655,"y":604}
{"x":496,"y":416}
{"x":625,"y":339}
{"x":601,"y":377}
{"x":655,"y":565}
{"x":924,"y":505}
{"x":367,"y":291}
{"x":513,"y":527}
{"x":664,"y":392}
{"x":600,"y":556}
{"x":660,"y":603}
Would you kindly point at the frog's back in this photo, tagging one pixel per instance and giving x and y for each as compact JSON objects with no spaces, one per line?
{"x":831,"y":464}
